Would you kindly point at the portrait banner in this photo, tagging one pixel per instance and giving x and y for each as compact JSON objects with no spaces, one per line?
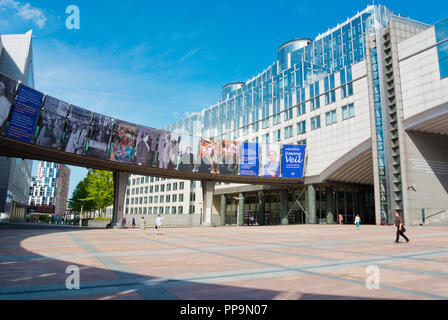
{"x":293,"y":159}
{"x":145,"y":147}
{"x":167,"y":150}
{"x":230,"y":157}
{"x":25,"y":114}
{"x":270,"y":159}
{"x":123,"y":142}
{"x":77,"y":127}
{"x":209,"y":155}
{"x":51,"y":124}
{"x":188,"y":151}
{"x":249,"y":159}
{"x":7,"y":94}
{"x":100,"y":136}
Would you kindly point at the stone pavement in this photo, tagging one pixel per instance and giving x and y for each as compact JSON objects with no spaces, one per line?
{"x":246,"y":263}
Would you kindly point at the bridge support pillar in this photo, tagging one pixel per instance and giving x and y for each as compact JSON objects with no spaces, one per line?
{"x":311,"y":201}
{"x":208,"y":189}
{"x":223,"y":209}
{"x":120,"y":184}
{"x":330,"y":205}
{"x":241,"y":209}
{"x":284,"y":210}
{"x":261,"y":209}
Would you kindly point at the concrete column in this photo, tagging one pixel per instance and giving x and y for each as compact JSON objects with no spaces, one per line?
{"x":120,"y":185}
{"x":284,"y":208}
{"x":261,"y":208}
{"x":330,"y":205}
{"x":223,"y":209}
{"x":311,"y":202}
{"x":241,"y":208}
{"x":208,"y":189}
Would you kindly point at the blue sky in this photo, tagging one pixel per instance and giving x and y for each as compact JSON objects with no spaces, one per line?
{"x":153,"y":62}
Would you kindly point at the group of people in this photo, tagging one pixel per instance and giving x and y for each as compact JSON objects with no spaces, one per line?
{"x":158,"y":225}
{"x":398,"y":224}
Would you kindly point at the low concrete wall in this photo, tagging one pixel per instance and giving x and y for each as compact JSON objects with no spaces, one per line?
{"x":98,"y":224}
{"x":175,"y":220}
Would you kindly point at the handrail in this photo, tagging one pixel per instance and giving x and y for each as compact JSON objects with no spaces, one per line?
{"x":435,"y":214}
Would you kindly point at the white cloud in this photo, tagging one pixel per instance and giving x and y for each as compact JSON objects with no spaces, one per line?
{"x":25,"y":11}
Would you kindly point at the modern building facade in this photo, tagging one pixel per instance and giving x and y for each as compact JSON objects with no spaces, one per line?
{"x":16,"y":61}
{"x":368,"y":98}
{"x":49,"y":189}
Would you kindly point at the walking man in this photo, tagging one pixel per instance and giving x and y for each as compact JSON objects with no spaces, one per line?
{"x":357,"y":221}
{"x":400,"y":228}
{"x":159,"y":221}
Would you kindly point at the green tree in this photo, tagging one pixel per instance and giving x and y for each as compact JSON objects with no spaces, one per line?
{"x":76,"y":201}
{"x":100,"y":189}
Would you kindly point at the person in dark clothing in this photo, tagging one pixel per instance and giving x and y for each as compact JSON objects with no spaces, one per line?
{"x":186,"y":162}
{"x":400,"y":228}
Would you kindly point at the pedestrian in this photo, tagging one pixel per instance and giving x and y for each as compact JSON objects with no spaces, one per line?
{"x":133,"y":222}
{"x":143,"y":225}
{"x":251,"y":221}
{"x":357,"y":221}
{"x":400,"y":228}
{"x":159,"y":220}
{"x":123,"y":222}
{"x":340,"y":218}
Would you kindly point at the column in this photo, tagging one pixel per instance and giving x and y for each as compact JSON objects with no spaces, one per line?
{"x":241,"y":209}
{"x":311,"y":202}
{"x":284,"y":208}
{"x":208,"y":189}
{"x":330,"y":205}
{"x":261,"y":208}
{"x":223,"y":209}
{"x":120,"y":184}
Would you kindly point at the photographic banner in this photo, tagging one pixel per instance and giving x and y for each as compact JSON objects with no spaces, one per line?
{"x":293,"y":159}
{"x":230,"y":157}
{"x":145,"y":148}
{"x":123,"y":143}
{"x":270,"y":159}
{"x":100,"y":136}
{"x":168,"y":148}
{"x":51,"y":123}
{"x":25,"y":114}
{"x":7,"y":94}
{"x":249,"y":161}
{"x":77,"y":127}
{"x":209,"y":155}
{"x":188,"y":148}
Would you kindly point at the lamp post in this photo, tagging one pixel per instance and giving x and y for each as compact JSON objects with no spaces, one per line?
{"x":82,"y":207}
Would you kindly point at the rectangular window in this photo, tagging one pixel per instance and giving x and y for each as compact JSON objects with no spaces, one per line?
{"x":315,"y":123}
{"x":301,"y":127}
{"x":288,"y":132}
{"x":181,"y":210}
{"x":442,"y":51}
{"x":277,"y":135}
{"x":330,"y":117}
{"x":181,"y":186}
{"x":348,"y":112}
{"x":150,"y":210}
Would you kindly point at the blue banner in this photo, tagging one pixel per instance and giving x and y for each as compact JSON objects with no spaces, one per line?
{"x":293,"y":159}
{"x":249,"y":160}
{"x":25,"y":114}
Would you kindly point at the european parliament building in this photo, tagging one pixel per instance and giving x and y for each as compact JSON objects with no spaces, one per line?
{"x":368,"y":98}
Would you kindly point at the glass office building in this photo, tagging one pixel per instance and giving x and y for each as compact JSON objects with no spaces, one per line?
{"x":16,"y":61}
{"x":337,"y":95}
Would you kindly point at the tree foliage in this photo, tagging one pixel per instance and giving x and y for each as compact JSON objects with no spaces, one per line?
{"x":95,"y":192}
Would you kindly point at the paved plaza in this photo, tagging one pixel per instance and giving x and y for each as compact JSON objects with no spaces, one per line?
{"x":255,"y":263}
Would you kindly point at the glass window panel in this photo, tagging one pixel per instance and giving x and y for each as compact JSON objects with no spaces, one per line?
{"x":441,"y":29}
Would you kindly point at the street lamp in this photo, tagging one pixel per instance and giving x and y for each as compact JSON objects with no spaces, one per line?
{"x":82,"y":207}
{"x":238,"y":211}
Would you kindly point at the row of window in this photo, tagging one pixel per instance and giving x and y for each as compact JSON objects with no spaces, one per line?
{"x":155,"y":189}
{"x":156,"y":210}
{"x":157,"y":199}
{"x":441,"y":29}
